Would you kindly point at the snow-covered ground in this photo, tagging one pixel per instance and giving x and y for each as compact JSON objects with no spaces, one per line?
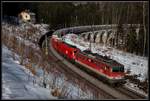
{"x":17,"y":81}
{"x":27,"y":31}
{"x":26,"y":87}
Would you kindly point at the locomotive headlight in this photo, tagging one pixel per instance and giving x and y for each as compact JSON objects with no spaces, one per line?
{"x":118,"y":77}
{"x":73,"y":56}
{"x":66,"y":52}
{"x":73,"y":53}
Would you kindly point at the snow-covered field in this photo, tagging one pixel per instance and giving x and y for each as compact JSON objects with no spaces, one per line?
{"x":17,"y":82}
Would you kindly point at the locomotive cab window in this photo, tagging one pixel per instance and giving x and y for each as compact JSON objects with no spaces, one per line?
{"x":121,"y":69}
{"x":117,"y":69}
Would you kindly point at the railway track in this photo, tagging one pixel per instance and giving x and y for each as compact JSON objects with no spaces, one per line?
{"x":73,"y":74}
{"x":113,"y":93}
{"x":130,"y":93}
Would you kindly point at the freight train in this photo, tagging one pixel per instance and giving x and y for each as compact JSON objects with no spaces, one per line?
{"x":110,"y":70}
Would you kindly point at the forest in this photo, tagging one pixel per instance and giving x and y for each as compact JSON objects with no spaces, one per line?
{"x":66,"y":14}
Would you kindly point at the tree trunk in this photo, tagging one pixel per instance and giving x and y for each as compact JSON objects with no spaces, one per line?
{"x":128,"y":15}
{"x":144,"y":28}
{"x":116,"y":40}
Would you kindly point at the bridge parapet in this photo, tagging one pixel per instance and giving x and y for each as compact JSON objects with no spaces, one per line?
{"x":80,"y":29}
{"x":104,"y":34}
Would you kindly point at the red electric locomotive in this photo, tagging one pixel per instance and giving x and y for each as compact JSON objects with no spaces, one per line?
{"x":110,"y":70}
{"x":64,"y":48}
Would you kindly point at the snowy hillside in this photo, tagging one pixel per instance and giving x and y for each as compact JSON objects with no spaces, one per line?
{"x":27,"y":30}
{"x":18,"y":82}
{"x":53,"y":79}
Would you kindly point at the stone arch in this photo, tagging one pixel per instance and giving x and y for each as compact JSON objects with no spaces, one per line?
{"x":109,"y":32}
{"x":102,"y":33}
{"x":89,"y":35}
{"x":92,"y":37}
{"x":95,"y":34}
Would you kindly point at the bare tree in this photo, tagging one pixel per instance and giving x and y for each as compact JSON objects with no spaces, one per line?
{"x":144,"y":28}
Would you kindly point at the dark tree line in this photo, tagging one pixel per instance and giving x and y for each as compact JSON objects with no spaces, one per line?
{"x":65,"y":14}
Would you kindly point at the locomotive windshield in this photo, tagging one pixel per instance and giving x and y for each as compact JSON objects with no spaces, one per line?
{"x":117,"y":69}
